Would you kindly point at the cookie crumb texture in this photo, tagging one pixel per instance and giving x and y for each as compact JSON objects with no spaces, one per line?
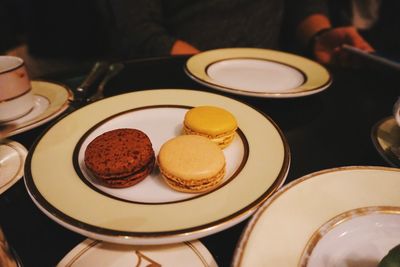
{"x":119,"y":153}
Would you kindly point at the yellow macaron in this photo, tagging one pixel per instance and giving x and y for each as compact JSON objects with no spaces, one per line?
{"x":215,"y":123}
{"x":191,"y":163}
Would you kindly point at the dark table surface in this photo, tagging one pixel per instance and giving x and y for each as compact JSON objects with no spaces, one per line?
{"x":326,"y":130}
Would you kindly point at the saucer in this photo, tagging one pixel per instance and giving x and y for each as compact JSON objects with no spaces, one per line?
{"x":51,"y":99}
{"x":94,"y":253}
{"x":386,"y":134}
{"x":12,"y":159}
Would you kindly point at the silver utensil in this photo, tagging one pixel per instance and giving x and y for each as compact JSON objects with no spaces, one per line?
{"x":113,"y":70}
{"x":372,"y":57}
{"x":97,"y":71}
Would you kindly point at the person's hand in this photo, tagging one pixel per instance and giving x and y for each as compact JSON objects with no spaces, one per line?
{"x":328,"y":46}
{"x":183,"y":48}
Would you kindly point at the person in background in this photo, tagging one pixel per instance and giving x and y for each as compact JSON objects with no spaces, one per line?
{"x":174,"y":27}
{"x":378,"y":21}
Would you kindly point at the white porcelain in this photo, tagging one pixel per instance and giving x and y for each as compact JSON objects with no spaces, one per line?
{"x":258,"y":72}
{"x":50,"y":100}
{"x":97,"y":253}
{"x":150,"y":212}
{"x":255,"y":75}
{"x":12,"y":160}
{"x":396,"y":111}
{"x":287,"y":228}
{"x":361,"y":237}
{"x":16,"y":98}
{"x":152,"y":189}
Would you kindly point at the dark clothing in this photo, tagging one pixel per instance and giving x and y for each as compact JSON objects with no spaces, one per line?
{"x":150,"y":27}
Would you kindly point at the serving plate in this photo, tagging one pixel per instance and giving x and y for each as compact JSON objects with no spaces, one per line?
{"x":51,"y":99}
{"x":150,"y":212}
{"x":95,"y":253}
{"x":258,"y":72}
{"x":312,"y":217}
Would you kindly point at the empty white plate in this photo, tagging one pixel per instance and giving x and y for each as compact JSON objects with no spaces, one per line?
{"x":316,"y":215}
{"x":258,"y":72}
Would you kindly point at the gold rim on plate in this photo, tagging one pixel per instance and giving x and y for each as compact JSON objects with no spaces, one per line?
{"x":58,"y":97}
{"x":58,"y":190}
{"x":316,"y":77}
{"x":280,"y":230}
{"x":13,"y":153}
{"x":92,"y":252}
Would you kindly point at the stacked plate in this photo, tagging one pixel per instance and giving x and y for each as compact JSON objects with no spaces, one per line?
{"x":50,"y":100}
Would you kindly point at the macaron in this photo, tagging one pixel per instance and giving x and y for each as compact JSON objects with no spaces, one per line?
{"x":215,"y":123}
{"x":120,"y":158}
{"x":191,"y":163}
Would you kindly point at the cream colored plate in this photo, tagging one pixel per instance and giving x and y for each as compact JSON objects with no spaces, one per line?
{"x":280,"y":231}
{"x":51,"y":99}
{"x":150,"y":212}
{"x":386,"y":135}
{"x":97,"y":253}
{"x":258,"y":72}
{"x":12,"y":160}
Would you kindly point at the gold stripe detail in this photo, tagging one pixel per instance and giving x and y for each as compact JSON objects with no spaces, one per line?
{"x":17,"y":96}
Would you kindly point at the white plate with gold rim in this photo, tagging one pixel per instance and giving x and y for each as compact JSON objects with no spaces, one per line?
{"x":150,"y":212}
{"x":360,"y":237}
{"x":306,"y":218}
{"x":12,"y":160}
{"x":51,"y":99}
{"x":385,"y":136}
{"x":258,"y":72}
{"x":95,"y":253}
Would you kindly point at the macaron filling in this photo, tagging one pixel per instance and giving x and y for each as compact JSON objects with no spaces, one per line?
{"x":222,"y":140}
{"x":201,"y":185}
{"x":215,"y":123}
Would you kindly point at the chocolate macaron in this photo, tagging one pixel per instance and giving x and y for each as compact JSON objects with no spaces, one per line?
{"x":191,"y":163}
{"x":120,"y":158}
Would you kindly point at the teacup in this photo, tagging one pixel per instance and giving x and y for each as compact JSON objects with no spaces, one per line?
{"x":396,"y":111}
{"x":16,"y":97}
